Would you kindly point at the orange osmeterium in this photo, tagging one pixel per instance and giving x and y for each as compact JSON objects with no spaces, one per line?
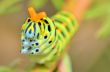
{"x":35,"y":16}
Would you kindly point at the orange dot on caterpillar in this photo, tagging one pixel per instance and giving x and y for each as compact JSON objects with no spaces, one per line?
{"x":35,"y":16}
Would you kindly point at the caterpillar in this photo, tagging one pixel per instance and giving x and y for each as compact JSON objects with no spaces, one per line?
{"x":45,"y":39}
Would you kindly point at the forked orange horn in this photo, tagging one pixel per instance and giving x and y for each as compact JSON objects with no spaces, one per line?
{"x":35,"y":16}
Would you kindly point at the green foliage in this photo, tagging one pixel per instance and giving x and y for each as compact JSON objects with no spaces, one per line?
{"x":7,"y":6}
{"x":104,"y":31}
{"x":58,"y":4}
{"x":101,"y":8}
{"x":97,"y":11}
{"x":102,"y":63}
{"x":5,"y":69}
{"x":37,"y":3}
{"x":40,"y":3}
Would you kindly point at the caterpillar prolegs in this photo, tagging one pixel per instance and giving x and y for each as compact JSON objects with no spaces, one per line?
{"x":45,"y":39}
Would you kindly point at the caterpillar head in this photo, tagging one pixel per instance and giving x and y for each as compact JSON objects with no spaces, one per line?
{"x":36,"y":33}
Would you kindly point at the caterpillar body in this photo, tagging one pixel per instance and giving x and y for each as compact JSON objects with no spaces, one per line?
{"x":45,"y":39}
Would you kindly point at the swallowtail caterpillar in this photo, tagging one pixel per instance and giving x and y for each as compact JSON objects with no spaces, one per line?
{"x":45,"y":39}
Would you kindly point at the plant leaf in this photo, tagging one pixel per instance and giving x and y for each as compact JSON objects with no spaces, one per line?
{"x":104,"y":31}
{"x":37,"y":3}
{"x":97,"y":11}
{"x":7,"y":6}
{"x":58,"y":4}
{"x":5,"y":69}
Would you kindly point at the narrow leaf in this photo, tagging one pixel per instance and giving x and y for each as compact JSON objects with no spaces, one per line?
{"x":58,"y":4}
{"x":7,"y":6}
{"x":104,"y":31}
{"x":37,"y":3}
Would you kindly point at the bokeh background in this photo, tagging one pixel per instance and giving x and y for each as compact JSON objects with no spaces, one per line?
{"x":90,"y":47}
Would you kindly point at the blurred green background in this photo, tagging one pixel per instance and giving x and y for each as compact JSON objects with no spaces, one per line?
{"x":90,"y":47}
